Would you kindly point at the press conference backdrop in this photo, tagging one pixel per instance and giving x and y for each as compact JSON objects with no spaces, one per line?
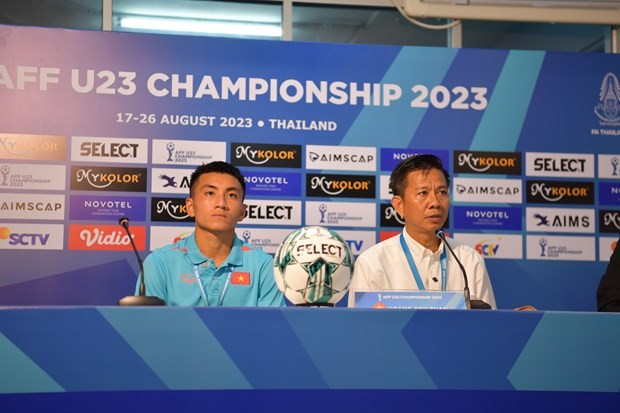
{"x":96,"y":125}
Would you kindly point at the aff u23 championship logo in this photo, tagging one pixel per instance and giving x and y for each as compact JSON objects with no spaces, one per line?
{"x":608,"y":107}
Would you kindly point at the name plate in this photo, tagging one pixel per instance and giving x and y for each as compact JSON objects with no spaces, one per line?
{"x":411,"y":300}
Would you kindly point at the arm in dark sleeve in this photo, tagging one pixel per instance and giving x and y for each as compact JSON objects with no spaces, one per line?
{"x":608,"y":291}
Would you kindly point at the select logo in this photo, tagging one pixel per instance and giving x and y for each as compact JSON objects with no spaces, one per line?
{"x":93,"y":178}
{"x":567,"y":165}
{"x":256,"y":154}
{"x":105,"y":237}
{"x":117,"y":150}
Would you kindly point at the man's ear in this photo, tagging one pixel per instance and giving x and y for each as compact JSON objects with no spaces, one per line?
{"x":397,"y":203}
{"x":189,"y":204}
{"x":245,"y":207}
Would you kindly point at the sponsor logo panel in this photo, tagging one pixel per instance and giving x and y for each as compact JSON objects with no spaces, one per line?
{"x":606,"y":246}
{"x":349,"y":186}
{"x":95,"y":178}
{"x":497,"y":218}
{"x":31,"y":236}
{"x":182,"y":152}
{"x":162,"y":236}
{"x":264,"y":155}
{"x":109,"y":208}
{"x":391,"y":157}
{"x":352,"y":158}
{"x":359,"y":241}
{"x":609,"y":221}
{"x":390,"y":218}
{"x":609,"y":193}
{"x":272,"y":183}
{"x":169,"y":210}
{"x":32,"y":206}
{"x":33,"y":147}
{"x":609,"y":166}
{"x":506,"y":163}
{"x":385,"y":193}
{"x":171,"y":181}
{"x":560,"y":220}
{"x":566,"y":248}
{"x":117,"y":150}
{"x":267,"y":239}
{"x":494,"y":246}
{"x":560,"y":192}
{"x":567,"y":165}
{"x":341,"y":214}
{"x":29,"y":176}
{"x":272,"y":212}
{"x":105,"y":237}
{"x":487,"y":190}
{"x":383,"y":235}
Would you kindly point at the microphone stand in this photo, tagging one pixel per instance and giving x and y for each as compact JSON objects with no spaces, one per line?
{"x":470,"y":304}
{"x":142,"y":299}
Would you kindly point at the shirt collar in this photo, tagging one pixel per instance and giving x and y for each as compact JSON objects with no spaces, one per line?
{"x":418,"y":251}
{"x":234,"y":257}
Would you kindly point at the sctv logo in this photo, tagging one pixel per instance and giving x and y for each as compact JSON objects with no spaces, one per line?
{"x":25,"y":239}
{"x":487,"y":249}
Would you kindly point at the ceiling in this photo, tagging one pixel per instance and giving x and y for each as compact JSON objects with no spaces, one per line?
{"x":322,"y":22}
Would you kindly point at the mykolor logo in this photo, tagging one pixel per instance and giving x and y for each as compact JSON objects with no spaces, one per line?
{"x":560,"y":192}
{"x":508,"y":163}
{"x":108,"y":179}
{"x":38,"y":147}
{"x":609,"y":221}
{"x":351,"y":186}
{"x":279,"y":156}
{"x":169,"y":210}
{"x":105,"y":237}
{"x":390,"y":218}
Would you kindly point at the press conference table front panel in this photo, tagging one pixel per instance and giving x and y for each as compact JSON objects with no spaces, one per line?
{"x":175,"y":359}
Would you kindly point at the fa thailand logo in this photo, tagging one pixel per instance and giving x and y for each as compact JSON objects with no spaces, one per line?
{"x":608,"y":108}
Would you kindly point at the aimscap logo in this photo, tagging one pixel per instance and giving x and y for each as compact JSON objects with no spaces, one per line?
{"x":353,"y":158}
{"x":277,"y":156}
{"x":29,"y":236}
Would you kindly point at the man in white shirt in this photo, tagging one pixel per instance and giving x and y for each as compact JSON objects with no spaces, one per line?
{"x":417,"y":259}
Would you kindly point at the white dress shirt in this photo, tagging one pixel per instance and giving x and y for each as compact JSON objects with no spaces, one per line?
{"x":384,"y":266}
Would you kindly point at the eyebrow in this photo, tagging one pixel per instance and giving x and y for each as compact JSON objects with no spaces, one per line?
{"x":211,"y":186}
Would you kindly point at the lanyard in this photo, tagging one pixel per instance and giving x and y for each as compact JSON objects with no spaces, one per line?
{"x":414,"y":269}
{"x":202,"y":288}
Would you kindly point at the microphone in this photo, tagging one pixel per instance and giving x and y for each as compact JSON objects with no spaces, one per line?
{"x":141,"y":299}
{"x":471,"y":304}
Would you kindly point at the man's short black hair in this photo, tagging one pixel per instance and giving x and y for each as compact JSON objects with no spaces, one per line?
{"x":217,"y":167}
{"x":425,"y":162}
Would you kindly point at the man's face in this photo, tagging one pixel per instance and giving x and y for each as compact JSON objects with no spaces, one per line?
{"x":425,"y":201}
{"x":216,"y":203}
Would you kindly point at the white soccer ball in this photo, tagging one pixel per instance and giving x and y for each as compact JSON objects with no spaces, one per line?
{"x":313,"y":266}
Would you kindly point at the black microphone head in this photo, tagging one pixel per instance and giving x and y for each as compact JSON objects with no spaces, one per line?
{"x":440,"y":234}
{"x":123,"y":221}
